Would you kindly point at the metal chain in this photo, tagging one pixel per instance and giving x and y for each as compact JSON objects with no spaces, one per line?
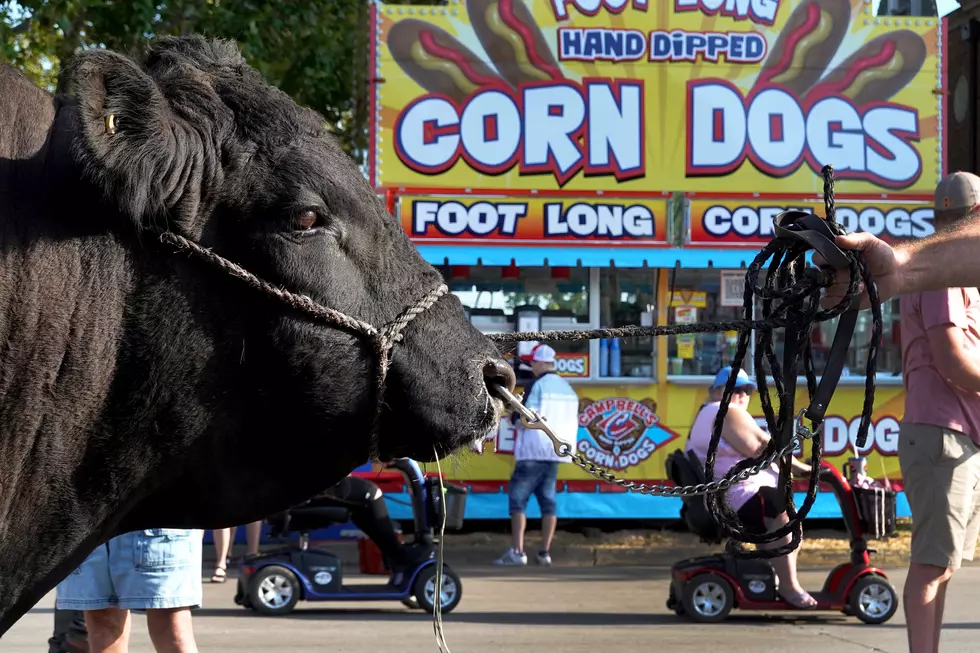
{"x":532,"y":420}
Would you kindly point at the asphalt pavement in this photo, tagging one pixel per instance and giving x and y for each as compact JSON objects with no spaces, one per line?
{"x":593,"y":609}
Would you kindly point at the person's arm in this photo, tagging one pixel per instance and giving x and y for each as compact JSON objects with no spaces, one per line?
{"x":743,"y":434}
{"x":947,"y":259}
{"x":799,"y":467}
{"x":944,"y":318}
{"x":534,"y":398}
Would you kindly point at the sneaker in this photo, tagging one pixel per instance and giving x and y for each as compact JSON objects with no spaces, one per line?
{"x":544,"y":558}
{"x":511,"y":558}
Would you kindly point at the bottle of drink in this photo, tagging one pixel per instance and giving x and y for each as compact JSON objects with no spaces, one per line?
{"x":603,"y":357}
{"x":614,"y":358}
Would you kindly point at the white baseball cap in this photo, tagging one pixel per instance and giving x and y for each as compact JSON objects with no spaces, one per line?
{"x":543,"y":354}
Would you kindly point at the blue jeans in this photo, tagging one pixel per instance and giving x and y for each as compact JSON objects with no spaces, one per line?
{"x":538,"y":477}
{"x":143,"y":570}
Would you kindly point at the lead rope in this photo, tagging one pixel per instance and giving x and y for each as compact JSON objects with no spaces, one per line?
{"x":437,"y":604}
{"x":382,"y":340}
{"x":797,"y":290}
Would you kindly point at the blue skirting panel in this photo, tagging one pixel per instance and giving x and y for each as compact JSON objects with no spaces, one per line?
{"x":601,"y":257}
{"x":571,"y":505}
{"x":627,"y":505}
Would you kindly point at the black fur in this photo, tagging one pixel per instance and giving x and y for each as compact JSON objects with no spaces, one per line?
{"x":140,"y":388}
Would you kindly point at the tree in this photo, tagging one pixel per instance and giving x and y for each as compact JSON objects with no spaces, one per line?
{"x":314,"y":50}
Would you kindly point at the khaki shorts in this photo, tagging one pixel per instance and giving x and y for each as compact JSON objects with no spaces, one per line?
{"x":941,"y":472}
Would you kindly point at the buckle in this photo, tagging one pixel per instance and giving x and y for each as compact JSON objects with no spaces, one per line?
{"x":803,"y":432}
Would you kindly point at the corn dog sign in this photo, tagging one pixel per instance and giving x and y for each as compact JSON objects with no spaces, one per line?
{"x":535,"y":221}
{"x":726,"y":222}
{"x":704,"y":96}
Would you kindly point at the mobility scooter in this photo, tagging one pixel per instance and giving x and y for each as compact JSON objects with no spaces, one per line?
{"x":707,"y":588}
{"x":273,"y":583}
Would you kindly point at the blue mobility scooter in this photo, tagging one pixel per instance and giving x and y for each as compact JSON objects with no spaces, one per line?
{"x":273,"y":583}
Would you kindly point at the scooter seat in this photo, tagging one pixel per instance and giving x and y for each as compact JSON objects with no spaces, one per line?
{"x":306,"y":518}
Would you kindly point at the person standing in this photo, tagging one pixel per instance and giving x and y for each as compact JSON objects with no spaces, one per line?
{"x":939,"y":435}
{"x":224,"y":539}
{"x":155,"y":570}
{"x":536,"y":463}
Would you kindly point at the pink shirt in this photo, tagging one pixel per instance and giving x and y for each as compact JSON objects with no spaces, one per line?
{"x":929,"y":397}
{"x":726,"y":457}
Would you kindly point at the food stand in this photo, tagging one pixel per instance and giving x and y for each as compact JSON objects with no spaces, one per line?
{"x":575,"y":164}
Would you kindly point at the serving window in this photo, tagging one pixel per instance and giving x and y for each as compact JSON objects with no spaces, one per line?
{"x":710,"y":295}
{"x":696,"y":297}
{"x":889,"y":361}
{"x":627,"y":297}
{"x":505,"y":299}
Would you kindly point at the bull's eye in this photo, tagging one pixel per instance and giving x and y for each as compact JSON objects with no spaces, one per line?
{"x":307,"y":220}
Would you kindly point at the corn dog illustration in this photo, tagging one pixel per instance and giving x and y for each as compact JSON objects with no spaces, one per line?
{"x":513,"y":41}
{"x":878,"y":70}
{"x":806,"y":45}
{"x":438,"y":62}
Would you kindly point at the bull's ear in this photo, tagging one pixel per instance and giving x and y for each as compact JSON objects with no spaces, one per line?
{"x":126,"y":140}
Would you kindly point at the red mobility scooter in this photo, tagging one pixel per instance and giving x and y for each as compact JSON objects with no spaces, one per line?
{"x":707,"y":588}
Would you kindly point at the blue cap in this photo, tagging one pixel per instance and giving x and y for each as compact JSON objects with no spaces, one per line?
{"x":721,"y":379}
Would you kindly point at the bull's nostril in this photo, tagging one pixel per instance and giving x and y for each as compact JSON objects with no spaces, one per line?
{"x":499,"y":372}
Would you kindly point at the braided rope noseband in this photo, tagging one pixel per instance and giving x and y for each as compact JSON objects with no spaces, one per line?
{"x":383,"y":340}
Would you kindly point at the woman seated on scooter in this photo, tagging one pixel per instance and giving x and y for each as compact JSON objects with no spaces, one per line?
{"x":369,"y":513}
{"x":754,"y":499}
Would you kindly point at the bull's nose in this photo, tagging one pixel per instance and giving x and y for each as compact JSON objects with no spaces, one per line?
{"x":498,"y":372}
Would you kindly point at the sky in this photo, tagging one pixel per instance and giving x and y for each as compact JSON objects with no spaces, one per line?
{"x":946,"y":6}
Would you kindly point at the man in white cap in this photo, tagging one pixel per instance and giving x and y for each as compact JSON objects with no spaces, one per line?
{"x":536,"y":468}
{"x":938,"y":442}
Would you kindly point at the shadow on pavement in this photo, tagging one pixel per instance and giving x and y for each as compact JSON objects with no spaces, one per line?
{"x":503,"y":618}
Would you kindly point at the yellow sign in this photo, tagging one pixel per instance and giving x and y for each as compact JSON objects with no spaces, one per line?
{"x":732,"y":222}
{"x":695,"y":298}
{"x":699,"y":96}
{"x":685,"y":345}
{"x":561,"y":221}
{"x":631,"y":429}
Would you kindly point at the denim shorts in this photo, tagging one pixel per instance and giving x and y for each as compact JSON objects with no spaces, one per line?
{"x":142,"y":570}
{"x":538,"y":477}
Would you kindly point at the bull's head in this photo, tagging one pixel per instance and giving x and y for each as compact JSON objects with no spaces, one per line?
{"x":145,"y":389}
{"x":200,"y":144}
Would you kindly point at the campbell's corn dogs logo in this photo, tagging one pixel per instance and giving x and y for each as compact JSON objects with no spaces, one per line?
{"x":797,"y":111}
{"x":618,"y":432}
{"x":734,"y":222}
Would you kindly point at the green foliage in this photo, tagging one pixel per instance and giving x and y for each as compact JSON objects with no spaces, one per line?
{"x":314,"y":50}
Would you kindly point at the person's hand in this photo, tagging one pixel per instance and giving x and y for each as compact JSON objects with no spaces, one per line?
{"x":884,"y":264}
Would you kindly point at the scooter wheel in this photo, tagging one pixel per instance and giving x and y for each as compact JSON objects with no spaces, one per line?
{"x":411,"y":603}
{"x":424,"y":589}
{"x":274,"y":591}
{"x":873,"y":600}
{"x":707,"y":598}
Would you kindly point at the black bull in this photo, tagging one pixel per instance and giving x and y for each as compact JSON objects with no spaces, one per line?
{"x":140,"y":388}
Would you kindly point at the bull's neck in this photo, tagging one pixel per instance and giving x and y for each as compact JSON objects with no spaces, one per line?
{"x":64,"y":285}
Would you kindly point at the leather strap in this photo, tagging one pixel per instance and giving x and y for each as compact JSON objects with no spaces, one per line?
{"x":835,"y":366}
{"x":815,"y":232}
{"x":812,"y":230}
